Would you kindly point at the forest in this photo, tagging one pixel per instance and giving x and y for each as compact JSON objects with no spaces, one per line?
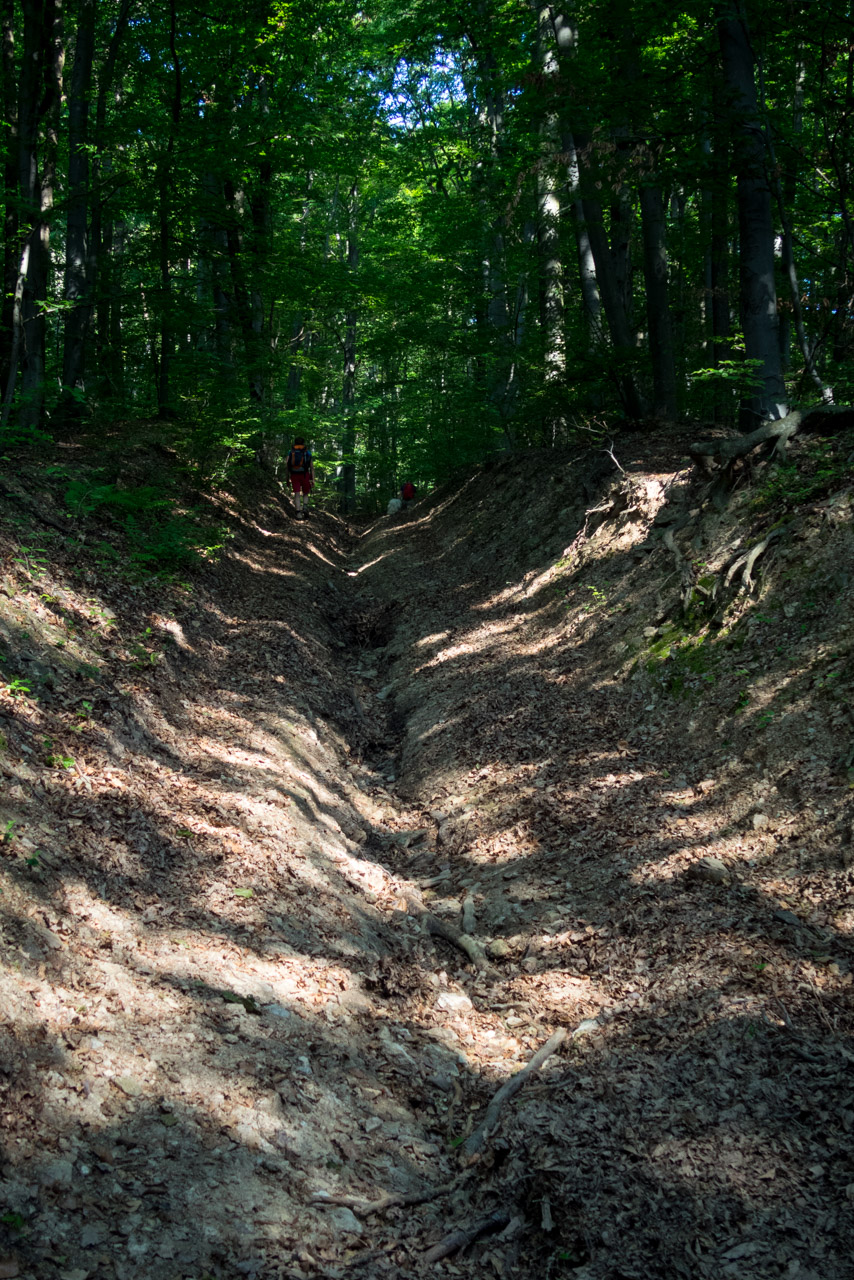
{"x":422,"y":234}
{"x":464,"y":890}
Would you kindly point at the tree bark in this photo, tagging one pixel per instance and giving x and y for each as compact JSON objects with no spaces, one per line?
{"x":348,"y":408}
{"x":38,"y":114}
{"x":11,"y":245}
{"x":548,"y":234}
{"x":103,"y":261}
{"x":622,"y":337}
{"x":77,"y":248}
{"x":658,"y":302}
{"x":165,"y":408}
{"x":758,"y":294}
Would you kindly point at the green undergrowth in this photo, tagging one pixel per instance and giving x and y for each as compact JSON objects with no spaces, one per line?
{"x":681,"y":662}
{"x":819,"y":467}
{"x":154,"y":532}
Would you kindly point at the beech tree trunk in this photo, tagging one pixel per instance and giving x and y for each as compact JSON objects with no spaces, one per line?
{"x":658,"y":303}
{"x":622,"y":337}
{"x":38,"y":113}
{"x":78,"y":261}
{"x":348,"y":434}
{"x":165,"y":408}
{"x":11,"y":245}
{"x":548,"y":233}
{"x":758,"y":292}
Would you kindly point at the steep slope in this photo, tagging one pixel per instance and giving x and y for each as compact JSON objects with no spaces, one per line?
{"x":302,"y":866}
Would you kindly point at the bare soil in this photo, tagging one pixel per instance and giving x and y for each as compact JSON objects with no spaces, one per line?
{"x":237,"y":816}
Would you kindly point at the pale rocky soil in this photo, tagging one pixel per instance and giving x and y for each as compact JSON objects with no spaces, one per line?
{"x":226,"y":1027}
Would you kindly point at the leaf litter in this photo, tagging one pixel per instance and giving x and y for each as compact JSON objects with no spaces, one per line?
{"x":231,"y":1044}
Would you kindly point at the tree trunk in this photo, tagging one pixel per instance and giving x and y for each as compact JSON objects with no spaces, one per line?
{"x":758,"y":294}
{"x":658,"y":302}
{"x":590,"y":297}
{"x":38,"y":113}
{"x":77,"y":249}
{"x":622,"y":338}
{"x":548,"y":236}
{"x":102,"y":269}
{"x":11,"y":245}
{"x":165,"y":408}
{"x":348,"y":434}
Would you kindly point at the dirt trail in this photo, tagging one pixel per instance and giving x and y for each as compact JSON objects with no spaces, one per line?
{"x":234,"y":1039}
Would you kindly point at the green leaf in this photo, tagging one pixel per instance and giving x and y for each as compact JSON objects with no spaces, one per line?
{"x":243,"y":893}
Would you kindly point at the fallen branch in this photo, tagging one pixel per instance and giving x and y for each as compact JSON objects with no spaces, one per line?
{"x":476,"y":1141}
{"x":467,"y":1235}
{"x":441,"y":929}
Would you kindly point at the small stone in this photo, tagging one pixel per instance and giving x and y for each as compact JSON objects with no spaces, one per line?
{"x":59,"y":1173}
{"x":345,"y":1220}
{"x":372,"y":1123}
{"x":94,"y":1233}
{"x":710,"y":870}
{"x":132,"y":1088}
{"x":454,"y":1002}
{"x":760,"y":820}
{"x":499,"y":949}
{"x":586,"y":1028}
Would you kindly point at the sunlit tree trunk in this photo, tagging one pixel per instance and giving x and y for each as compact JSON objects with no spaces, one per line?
{"x":548,"y":232}
{"x":590,"y":298}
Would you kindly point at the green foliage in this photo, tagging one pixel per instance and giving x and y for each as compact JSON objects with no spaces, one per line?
{"x":683,"y":664}
{"x":159,"y":538}
{"x":819,"y":468}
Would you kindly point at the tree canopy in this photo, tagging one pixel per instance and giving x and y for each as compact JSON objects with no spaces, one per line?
{"x":418,"y":234}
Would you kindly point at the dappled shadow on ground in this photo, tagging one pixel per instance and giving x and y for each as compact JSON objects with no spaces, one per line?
{"x":224,"y":1008}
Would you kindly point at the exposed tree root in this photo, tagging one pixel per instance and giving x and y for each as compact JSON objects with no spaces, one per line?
{"x":467,"y":1235}
{"x":441,"y":929}
{"x":476,"y":1141}
{"x":389,"y":1199}
{"x":776,"y":433}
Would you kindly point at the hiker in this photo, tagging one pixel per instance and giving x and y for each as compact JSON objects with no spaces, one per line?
{"x":407,"y":493}
{"x":301,"y":475}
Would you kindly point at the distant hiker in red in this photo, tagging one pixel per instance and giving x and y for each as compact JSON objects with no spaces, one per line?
{"x":407,"y":493}
{"x":301,"y":475}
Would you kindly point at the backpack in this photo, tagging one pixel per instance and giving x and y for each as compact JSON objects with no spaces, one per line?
{"x":299,"y":459}
{"x":408,"y":490}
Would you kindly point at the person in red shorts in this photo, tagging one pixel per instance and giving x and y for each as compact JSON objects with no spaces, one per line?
{"x":301,"y":475}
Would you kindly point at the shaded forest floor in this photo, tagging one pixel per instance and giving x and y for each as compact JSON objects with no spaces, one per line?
{"x":573,"y":725}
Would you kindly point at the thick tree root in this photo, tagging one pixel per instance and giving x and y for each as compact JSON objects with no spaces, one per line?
{"x":779,"y":432}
